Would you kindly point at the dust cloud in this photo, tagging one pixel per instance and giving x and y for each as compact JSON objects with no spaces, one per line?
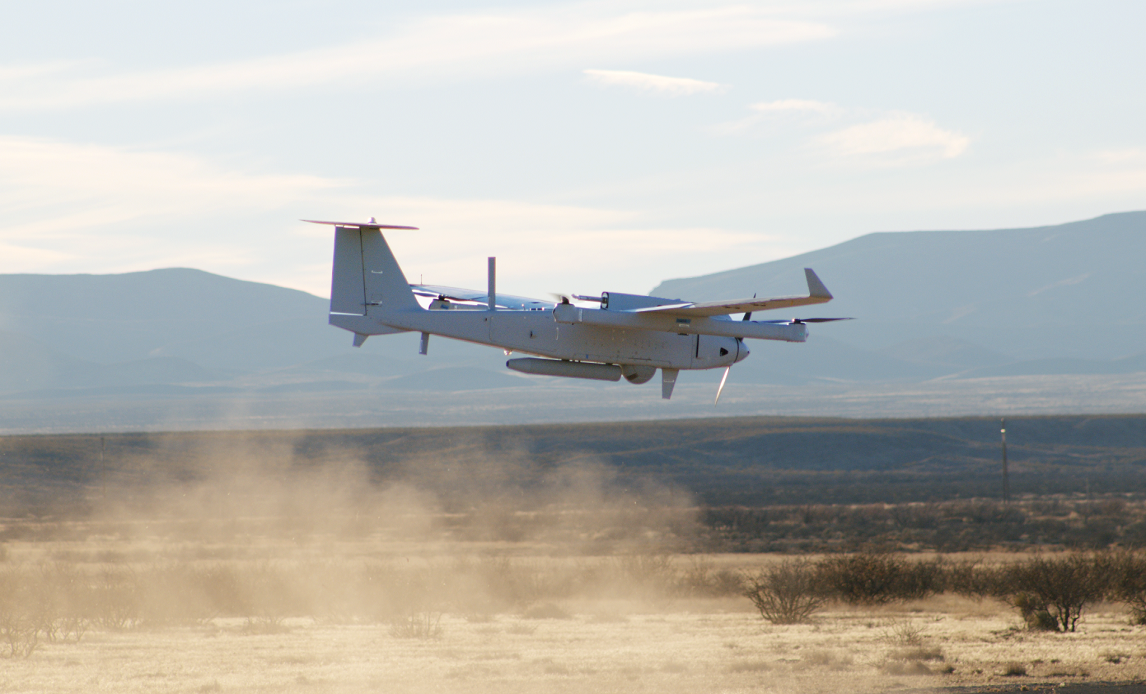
{"x":243,"y":529}
{"x":233,"y":563}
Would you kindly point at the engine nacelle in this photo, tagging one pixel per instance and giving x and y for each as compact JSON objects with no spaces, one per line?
{"x":638,"y":374}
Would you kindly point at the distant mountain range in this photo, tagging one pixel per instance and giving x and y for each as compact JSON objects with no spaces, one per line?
{"x":1050,"y":301}
{"x":1066,"y":299}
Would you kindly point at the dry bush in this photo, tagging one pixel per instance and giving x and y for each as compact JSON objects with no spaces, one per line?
{"x":417,"y":625}
{"x":115,"y":599}
{"x":25,"y":613}
{"x":1049,"y":592}
{"x":1129,"y":583}
{"x":788,"y":592}
{"x":702,"y":579}
{"x":1060,"y":587}
{"x":905,"y":634}
{"x":644,"y":574}
{"x":1035,"y":612}
{"x":20,"y":634}
{"x":972,"y":579}
{"x":877,"y":578}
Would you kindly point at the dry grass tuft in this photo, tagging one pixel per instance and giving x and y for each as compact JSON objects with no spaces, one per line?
{"x":1015,"y":670}
{"x":749,"y":666}
{"x":546,"y":610}
{"x":905,"y":634}
{"x":918,"y":653}
{"x":828,"y":659}
{"x":911,"y":667}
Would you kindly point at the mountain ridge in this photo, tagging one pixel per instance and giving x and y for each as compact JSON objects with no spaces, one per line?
{"x":932,"y":307}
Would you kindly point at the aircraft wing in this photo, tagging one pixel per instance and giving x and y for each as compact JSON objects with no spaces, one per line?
{"x":817,"y":294}
{"x":506,"y":301}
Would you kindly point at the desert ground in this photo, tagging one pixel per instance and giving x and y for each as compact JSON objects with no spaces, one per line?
{"x":252,"y":568}
{"x":166,"y":609}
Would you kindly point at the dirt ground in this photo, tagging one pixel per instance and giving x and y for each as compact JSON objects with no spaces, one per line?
{"x":645,"y":641}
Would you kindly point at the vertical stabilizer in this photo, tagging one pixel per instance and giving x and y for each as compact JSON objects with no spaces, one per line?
{"x":385,"y":284}
{"x":347,"y":286}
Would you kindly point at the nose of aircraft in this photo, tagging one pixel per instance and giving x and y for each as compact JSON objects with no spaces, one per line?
{"x":742,"y":351}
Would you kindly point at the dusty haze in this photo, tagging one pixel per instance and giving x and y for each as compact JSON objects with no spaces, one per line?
{"x":245,"y":567}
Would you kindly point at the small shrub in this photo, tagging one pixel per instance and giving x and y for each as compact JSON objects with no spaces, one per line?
{"x":788,"y":592}
{"x":1129,"y":583}
{"x":1034,"y":612}
{"x":905,"y":634}
{"x":1115,"y":657}
{"x":116,"y":600}
{"x":418,"y":625}
{"x":1015,"y":670}
{"x":875,"y":578}
{"x":1060,"y":587}
{"x":20,"y":634}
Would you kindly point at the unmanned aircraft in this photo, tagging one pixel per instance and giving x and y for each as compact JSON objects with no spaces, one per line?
{"x":621,"y":335}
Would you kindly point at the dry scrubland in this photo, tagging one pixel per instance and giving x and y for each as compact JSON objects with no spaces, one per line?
{"x":143,"y":607}
{"x":258,"y":573}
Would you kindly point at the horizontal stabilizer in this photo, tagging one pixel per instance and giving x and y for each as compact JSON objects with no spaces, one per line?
{"x":358,"y":225}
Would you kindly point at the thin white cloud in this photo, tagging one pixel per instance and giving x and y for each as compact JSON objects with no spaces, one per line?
{"x":589,"y":249}
{"x":37,"y":172}
{"x":896,"y":132}
{"x":802,"y":109}
{"x":1130,"y":155}
{"x":653,"y":84}
{"x":68,"y":207}
{"x":447,"y":47}
{"x":796,"y":105}
{"x":64,"y":201}
{"x":910,"y":137}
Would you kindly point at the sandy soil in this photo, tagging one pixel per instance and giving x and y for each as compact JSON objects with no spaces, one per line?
{"x":711,"y":645}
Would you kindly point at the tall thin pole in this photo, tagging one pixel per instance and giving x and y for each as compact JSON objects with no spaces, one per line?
{"x":1006,"y":481}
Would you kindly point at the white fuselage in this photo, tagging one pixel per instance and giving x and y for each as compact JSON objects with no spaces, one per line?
{"x":538,"y":332}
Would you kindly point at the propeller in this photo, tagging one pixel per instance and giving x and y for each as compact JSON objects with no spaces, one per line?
{"x":798,"y":321}
{"x":723,"y":378}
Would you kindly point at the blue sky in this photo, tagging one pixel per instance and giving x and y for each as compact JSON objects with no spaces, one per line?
{"x":590,"y":146}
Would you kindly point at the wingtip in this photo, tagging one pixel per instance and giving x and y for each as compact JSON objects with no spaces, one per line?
{"x":816,"y":288}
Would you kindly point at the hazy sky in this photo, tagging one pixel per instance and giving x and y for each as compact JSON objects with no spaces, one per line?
{"x":589,"y":145}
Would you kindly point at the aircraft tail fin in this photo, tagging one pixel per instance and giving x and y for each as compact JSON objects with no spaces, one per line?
{"x":366,"y":278}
